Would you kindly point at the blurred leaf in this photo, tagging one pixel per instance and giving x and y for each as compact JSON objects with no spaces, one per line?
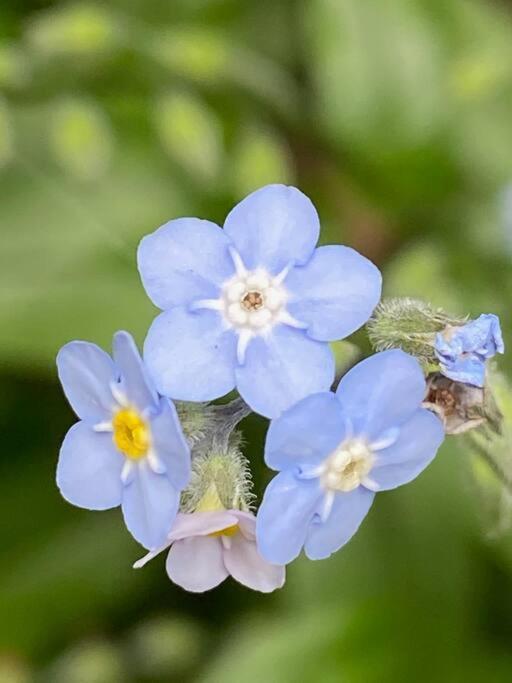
{"x":377,"y":67}
{"x":6,"y":135}
{"x":485,"y":225}
{"x":345,"y":354}
{"x":78,"y":29}
{"x":503,"y":218}
{"x":267,"y":80}
{"x":80,"y":138}
{"x":494,"y":500}
{"x":420,"y":271}
{"x":475,"y":76}
{"x":491,"y":461}
{"x":166,"y":647}
{"x":14,"y":671}
{"x":480,"y":49}
{"x":79,"y":570}
{"x":212,"y":58}
{"x":93,"y":662}
{"x":74,"y":275}
{"x":194,"y":52}
{"x":259,"y":157}
{"x":479,"y":79}
{"x":263,"y":651}
{"x":482,"y":138}
{"x":14,"y":69}
{"x":191,"y":134}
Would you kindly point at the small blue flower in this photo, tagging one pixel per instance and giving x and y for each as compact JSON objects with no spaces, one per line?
{"x":333,"y":451}
{"x":463,"y":351}
{"x":128,"y":448}
{"x":253,"y":305}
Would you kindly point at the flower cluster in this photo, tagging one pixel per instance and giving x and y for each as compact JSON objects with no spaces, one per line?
{"x":253,"y":306}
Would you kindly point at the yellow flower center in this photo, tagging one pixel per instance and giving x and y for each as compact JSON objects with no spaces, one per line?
{"x":347,"y":467}
{"x":131,"y":434}
{"x":228,"y":531}
{"x":211,"y":502}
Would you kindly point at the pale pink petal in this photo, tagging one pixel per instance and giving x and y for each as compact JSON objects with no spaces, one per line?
{"x":246,"y":565}
{"x":200,"y":524}
{"x":194,"y":524}
{"x":246,"y":522}
{"x":196,"y":564}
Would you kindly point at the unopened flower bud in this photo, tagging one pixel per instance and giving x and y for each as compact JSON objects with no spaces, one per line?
{"x":410,"y":325}
{"x":220,"y":479}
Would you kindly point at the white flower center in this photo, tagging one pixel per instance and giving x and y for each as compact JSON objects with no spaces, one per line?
{"x":252,"y":301}
{"x":348,"y":466}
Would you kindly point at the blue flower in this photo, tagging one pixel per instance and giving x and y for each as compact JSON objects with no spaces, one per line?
{"x":463,"y":351}
{"x":254,"y":305}
{"x":333,"y":451}
{"x":128,"y":448}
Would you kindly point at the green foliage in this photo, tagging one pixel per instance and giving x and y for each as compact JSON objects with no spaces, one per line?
{"x":80,"y":138}
{"x":259,"y":157}
{"x":80,"y":29}
{"x":491,"y":449}
{"x":190,"y":134}
{"x":6,"y":141}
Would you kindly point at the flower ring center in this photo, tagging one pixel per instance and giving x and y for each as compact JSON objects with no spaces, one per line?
{"x":131,"y":434}
{"x":252,"y":301}
{"x":348,"y":466}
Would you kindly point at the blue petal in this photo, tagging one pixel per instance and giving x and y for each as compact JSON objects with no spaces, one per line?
{"x":150,"y":504}
{"x":283,"y":368}
{"x":382,"y":391}
{"x":190,"y":355}
{"x":184,"y":260}
{"x":86,"y":373}
{"x":306,"y":433}
{"x":89,"y":469}
{"x":468,"y":370}
{"x":348,"y":511}
{"x":482,"y":336}
{"x":334,"y":293}
{"x":416,"y":447}
{"x":462,"y":351}
{"x":135,"y":382}
{"x":274,"y":226}
{"x":496,"y":344}
{"x":285,"y":515}
{"x":170,"y":444}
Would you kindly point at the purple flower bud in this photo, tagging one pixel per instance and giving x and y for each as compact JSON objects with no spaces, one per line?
{"x":463,"y":351}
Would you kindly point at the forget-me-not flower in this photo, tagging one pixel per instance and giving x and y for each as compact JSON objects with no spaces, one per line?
{"x":463,"y":351}
{"x":334,"y":451}
{"x":207,"y":547}
{"x":128,"y":448}
{"x":252,"y":306}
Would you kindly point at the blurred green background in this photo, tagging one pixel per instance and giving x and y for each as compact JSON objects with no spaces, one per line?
{"x":395,"y":117}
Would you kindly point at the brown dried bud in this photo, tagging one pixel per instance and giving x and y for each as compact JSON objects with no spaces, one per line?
{"x":461,"y":407}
